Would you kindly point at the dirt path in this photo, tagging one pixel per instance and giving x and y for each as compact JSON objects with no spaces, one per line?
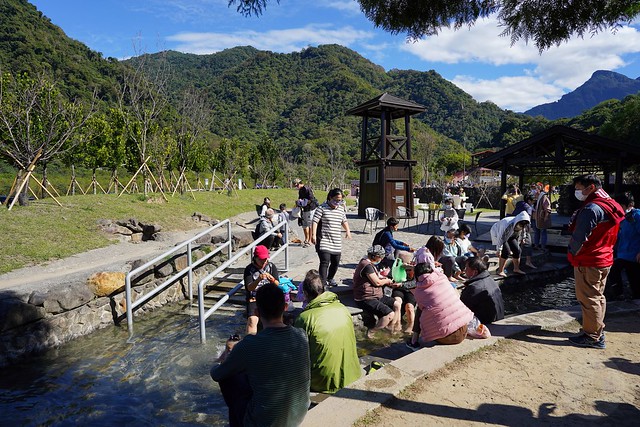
{"x":531,"y":379}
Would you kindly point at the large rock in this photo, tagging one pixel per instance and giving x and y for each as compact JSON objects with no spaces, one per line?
{"x":14,"y":313}
{"x":59,"y":299}
{"x":242,"y":239}
{"x":106,"y":283}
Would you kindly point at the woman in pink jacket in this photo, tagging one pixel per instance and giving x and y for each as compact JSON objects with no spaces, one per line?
{"x":444,"y":317}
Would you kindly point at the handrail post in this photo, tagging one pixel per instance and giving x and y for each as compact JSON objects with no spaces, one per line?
{"x":229,"y":239}
{"x":127,"y":286}
{"x":190,"y":274}
{"x":286,"y":246}
{"x":203,"y":332}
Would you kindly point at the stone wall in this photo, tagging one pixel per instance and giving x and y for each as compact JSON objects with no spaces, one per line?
{"x":40,"y":317}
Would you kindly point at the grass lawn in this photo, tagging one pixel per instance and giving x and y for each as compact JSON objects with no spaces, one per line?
{"x":43,"y":231}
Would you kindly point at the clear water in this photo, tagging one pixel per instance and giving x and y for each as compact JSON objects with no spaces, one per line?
{"x":525,"y":298}
{"x":162,"y":378}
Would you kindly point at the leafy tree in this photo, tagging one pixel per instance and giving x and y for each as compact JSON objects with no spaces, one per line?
{"x":625,"y":125}
{"x":545,"y":22}
{"x":37,"y":123}
{"x":142,"y":100}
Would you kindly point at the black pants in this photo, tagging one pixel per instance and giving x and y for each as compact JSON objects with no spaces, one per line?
{"x":615,"y":285}
{"x":237,"y":393}
{"x":511,"y":247}
{"x":328,"y":266}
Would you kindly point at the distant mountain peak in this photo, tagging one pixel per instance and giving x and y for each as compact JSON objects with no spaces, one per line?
{"x":601,"y":86}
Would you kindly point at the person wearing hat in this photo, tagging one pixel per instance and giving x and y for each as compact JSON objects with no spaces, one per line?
{"x":308,"y":203}
{"x":368,"y":293}
{"x":266,"y":225}
{"x":260,"y":272}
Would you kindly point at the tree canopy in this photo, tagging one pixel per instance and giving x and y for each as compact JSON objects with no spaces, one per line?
{"x":544,"y":22}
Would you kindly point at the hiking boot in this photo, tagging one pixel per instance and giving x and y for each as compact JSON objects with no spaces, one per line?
{"x":585,"y":340}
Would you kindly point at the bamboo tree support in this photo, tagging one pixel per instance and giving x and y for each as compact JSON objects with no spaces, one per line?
{"x":230,"y":185}
{"x":146,"y":167}
{"x":175,"y":183}
{"x":25,"y":180}
{"x":13,"y":186}
{"x":48,"y":192}
{"x":199,"y":184}
{"x":134,"y":176}
{"x":165,"y":185}
{"x":94,"y":184}
{"x":74,"y":183}
{"x":49,"y":184}
{"x":33,"y":193}
{"x":114,"y":182}
{"x":183,"y":178}
{"x":213,"y":181}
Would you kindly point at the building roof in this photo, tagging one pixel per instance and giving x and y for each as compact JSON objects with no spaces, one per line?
{"x":386,"y":102}
{"x":561,"y":150}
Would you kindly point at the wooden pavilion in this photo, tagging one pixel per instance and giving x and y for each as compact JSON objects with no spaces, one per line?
{"x":564,"y":151}
{"x":385,"y":164}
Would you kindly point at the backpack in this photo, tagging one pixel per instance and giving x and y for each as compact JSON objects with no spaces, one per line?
{"x":378,"y":237}
{"x":313,"y":202}
{"x":258,"y":231}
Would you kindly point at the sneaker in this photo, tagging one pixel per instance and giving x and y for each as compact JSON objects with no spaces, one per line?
{"x":585,"y":340}
{"x":332,"y":283}
{"x":413,"y":346}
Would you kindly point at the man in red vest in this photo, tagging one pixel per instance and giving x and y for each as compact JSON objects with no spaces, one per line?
{"x":594,"y":229}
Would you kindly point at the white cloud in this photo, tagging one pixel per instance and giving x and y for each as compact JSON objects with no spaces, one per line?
{"x":514,"y":93}
{"x":289,"y":40}
{"x":557,"y":70}
{"x":351,"y":6}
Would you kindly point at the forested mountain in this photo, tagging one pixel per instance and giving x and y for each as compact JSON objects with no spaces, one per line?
{"x":255,"y":105}
{"x":30,"y":43}
{"x":295,"y":96}
{"x":602,"y":86}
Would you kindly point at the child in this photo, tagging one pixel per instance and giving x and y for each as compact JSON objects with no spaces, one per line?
{"x":452,"y":257}
{"x":468,"y":249}
{"x":448,"y":217}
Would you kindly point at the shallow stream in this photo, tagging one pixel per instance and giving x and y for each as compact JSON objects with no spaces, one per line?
{"x":162,"y":378}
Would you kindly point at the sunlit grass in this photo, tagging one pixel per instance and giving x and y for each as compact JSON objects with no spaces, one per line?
{"x":44,"y":231}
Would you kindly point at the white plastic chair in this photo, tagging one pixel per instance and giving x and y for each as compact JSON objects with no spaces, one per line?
{"x":371,"y":216}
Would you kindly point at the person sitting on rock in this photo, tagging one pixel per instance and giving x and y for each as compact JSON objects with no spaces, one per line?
{"x":260,"y":272}
{"x":481,"y":293}
{"x":332,"y":340}
{"x":368,"y":293}
{"x":266,"y":226}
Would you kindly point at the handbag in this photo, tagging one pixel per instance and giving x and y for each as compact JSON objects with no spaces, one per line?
{"x":296,"y":212}
{"x":398,"y":272}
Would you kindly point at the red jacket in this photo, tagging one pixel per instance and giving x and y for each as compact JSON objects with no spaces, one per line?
{"x":597,"y":249}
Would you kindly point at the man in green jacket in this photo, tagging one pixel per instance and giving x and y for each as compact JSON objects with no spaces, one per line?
{"x":332,"y":340}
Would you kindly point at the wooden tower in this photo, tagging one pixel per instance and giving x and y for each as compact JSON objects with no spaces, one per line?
{"x":385,"y":164}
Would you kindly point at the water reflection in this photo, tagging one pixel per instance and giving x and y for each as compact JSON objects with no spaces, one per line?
{"x":162,"y":378}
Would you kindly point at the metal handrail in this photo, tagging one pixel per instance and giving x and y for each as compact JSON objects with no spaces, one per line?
{"x":131,"y":305}
{"x":203,"y":316}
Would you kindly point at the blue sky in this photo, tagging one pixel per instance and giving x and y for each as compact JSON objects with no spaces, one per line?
{"x":476,"y":60}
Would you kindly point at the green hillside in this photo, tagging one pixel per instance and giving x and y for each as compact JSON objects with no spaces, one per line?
{"x":263,"y":116}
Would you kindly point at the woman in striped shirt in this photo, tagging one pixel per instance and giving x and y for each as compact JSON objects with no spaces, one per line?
{"x":328,"y":220}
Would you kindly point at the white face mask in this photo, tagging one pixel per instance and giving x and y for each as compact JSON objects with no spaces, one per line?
{"x":580,"y":196}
